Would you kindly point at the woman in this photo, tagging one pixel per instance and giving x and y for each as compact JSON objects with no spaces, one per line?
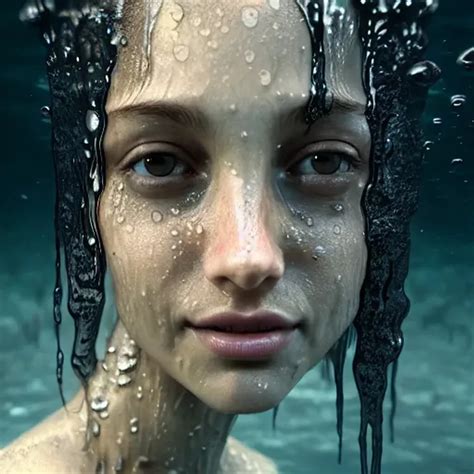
{"x":232,"y":226}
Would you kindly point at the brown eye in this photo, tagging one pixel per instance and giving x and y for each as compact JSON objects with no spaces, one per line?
{"x":329,"y":163}
{"x":159,"y":164}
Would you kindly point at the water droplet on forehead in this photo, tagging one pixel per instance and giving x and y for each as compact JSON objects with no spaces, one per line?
{"x":249,"y":56}
{"x":265,"y":77}
{"x":458,"y":100}
{"x":249,"y":17}
{"x":225,"y":29}
{"x":466,"y":59}
{"x":156,"y":216}
{"x":92,"y":120}
{"x":181,"y":52}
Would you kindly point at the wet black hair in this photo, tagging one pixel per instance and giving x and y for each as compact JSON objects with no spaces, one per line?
{"x":82,"y":51}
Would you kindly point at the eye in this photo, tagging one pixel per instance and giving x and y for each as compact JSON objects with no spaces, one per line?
{"x":159,"y":164}
{"x":325,"y":163}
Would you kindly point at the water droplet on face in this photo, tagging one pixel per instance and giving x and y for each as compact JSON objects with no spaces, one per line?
{"x":250,"y":17}
{"x":319,"y":251}
{"x":174,"y":211}
{"x":309,"y":222}
{"x":232,"y":107}
{"x":178,"y":13}
{"x":338,"y":207}
{"x":130,"y":229}
{"x":205,"y":32}
{"x":244,"y":134}
{"x":92,"y":120}
{"x":249,"y":56}
{"x":337,"y":229}
{"x":457,"y":161}
{"x":134,"y":425}
{"x":91,"y":241}
{"x":339,"y":278}
{"x":99,"y":404}
{"x":95,"y":428}
{"x":437,"y":120}
{"x":174,"y":233}
{"x":156,"y":216}
{"x":233,"y":172}
{"x":181,"y":52}
{"x":124,"y":40}
{"x":199,"y":229}
{"x":123,"y":379}
{"x":265,"y":77}
{"x":225,"y":29}
{"x":275,"y":4}
{"x":458,"y":101}
{"x":466,"y":59}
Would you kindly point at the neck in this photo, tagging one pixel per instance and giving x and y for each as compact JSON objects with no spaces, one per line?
{"x":142,"y":420}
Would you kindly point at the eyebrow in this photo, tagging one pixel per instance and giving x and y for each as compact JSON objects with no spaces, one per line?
{"x":194,"y":117}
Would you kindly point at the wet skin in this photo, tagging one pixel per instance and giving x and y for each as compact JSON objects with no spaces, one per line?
{"x":219,"y":197}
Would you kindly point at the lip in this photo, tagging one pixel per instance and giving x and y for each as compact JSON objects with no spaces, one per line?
{"x":254,"y":336}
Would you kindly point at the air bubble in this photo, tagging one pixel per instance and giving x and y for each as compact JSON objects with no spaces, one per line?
{"x":458,"y":101}
{"x":249,"y":17}
{"x":466,"y":59}
{"x":181,"y":52}
{"x":265,"y":77}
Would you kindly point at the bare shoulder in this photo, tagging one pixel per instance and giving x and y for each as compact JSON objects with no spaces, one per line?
{"x":239,"y":458}
{"x":47,"y":448}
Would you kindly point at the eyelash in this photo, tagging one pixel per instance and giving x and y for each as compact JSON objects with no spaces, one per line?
{"x":352,"y":161}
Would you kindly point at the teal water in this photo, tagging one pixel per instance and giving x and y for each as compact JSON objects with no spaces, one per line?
{"x":435,"y":415}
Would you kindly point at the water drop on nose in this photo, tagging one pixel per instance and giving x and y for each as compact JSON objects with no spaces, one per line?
{"x":265,"y":77}
{"x":437,"y":120}
{"x":424,"y":73}
{"x":181,"y":52}
{"x":249,"y":17}
{"x":92,"y":120}
{"x":249,"y":56}
{"x":458,"y":101}
{"x":156,"y":216}
{"x":466,"y":59}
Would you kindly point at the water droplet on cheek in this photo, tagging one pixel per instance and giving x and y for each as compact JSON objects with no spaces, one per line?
{"x":156,"y":216}
{"x":337,"y":229}
{"x":181,"y":52}
{"x":338,"y":207}
{"x":250,"y":17}
{"x":265,"y":77}
{"x":249,"y":56}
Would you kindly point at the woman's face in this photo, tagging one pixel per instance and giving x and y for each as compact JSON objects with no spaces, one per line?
{"x":219,"y":197}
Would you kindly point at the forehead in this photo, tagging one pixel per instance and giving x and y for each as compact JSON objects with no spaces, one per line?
{"x":229,"y":51}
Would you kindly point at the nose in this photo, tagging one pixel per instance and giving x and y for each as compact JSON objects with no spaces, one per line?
{"x":241,"y":247}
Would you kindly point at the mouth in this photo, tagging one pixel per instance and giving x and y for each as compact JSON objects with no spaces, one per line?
{"x":239,"y":337}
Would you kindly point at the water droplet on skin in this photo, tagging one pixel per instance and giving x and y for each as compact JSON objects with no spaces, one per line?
{"x":225,"y":29}
{"x":196,"y":21}
{"x":212,"y":44}
{"x":249,"y":17}
{"x":174,"y":233}
{"x":87,"y":153}
{"x":275,"y":4}
{"x":104,"y":414}
{"x":178,"y":13}
{"x":249,"y":56}
{"x":99,"y":404}
{"x":424,"y":73}
{"x":275,"y":26}
{"x":437,"y":121}
{"x":232,"y":107}
{"x":123,"y":379}
{"x":95,"y":428}
{"x":457,"y":161}
{"x":319,"y":251}
{"x":458,"y":101}
{"x":205,"y":32}
{"x":111,"y":350}
{"x":92,"y":120}
{"x":338,"y":207}
{"x":309,"y":222}
{"x":428,"y":144}
{"x":129,"y":229}
{"x":199,"y":229}
{"x":156,"y":216}
{"x":244,"y":134}
{"x":125,"y":363}
{"x":124,"y":40}
{"x":233,"y":172}
{"x":337,"y":229}
{"x":181,"y":52}
{"x":118,"y":464}
{"x":45,"y":111}
{"x":134,"y":425}
{"x":174,"y":211}
{"x":91,"y":241}
{"x":339,"y":278}
{"x":120,"y":219}
{"x":265,"y":77}
{"x":466,"y":59}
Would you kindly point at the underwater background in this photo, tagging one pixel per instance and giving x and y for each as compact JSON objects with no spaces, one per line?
{"x":434,"y":422}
